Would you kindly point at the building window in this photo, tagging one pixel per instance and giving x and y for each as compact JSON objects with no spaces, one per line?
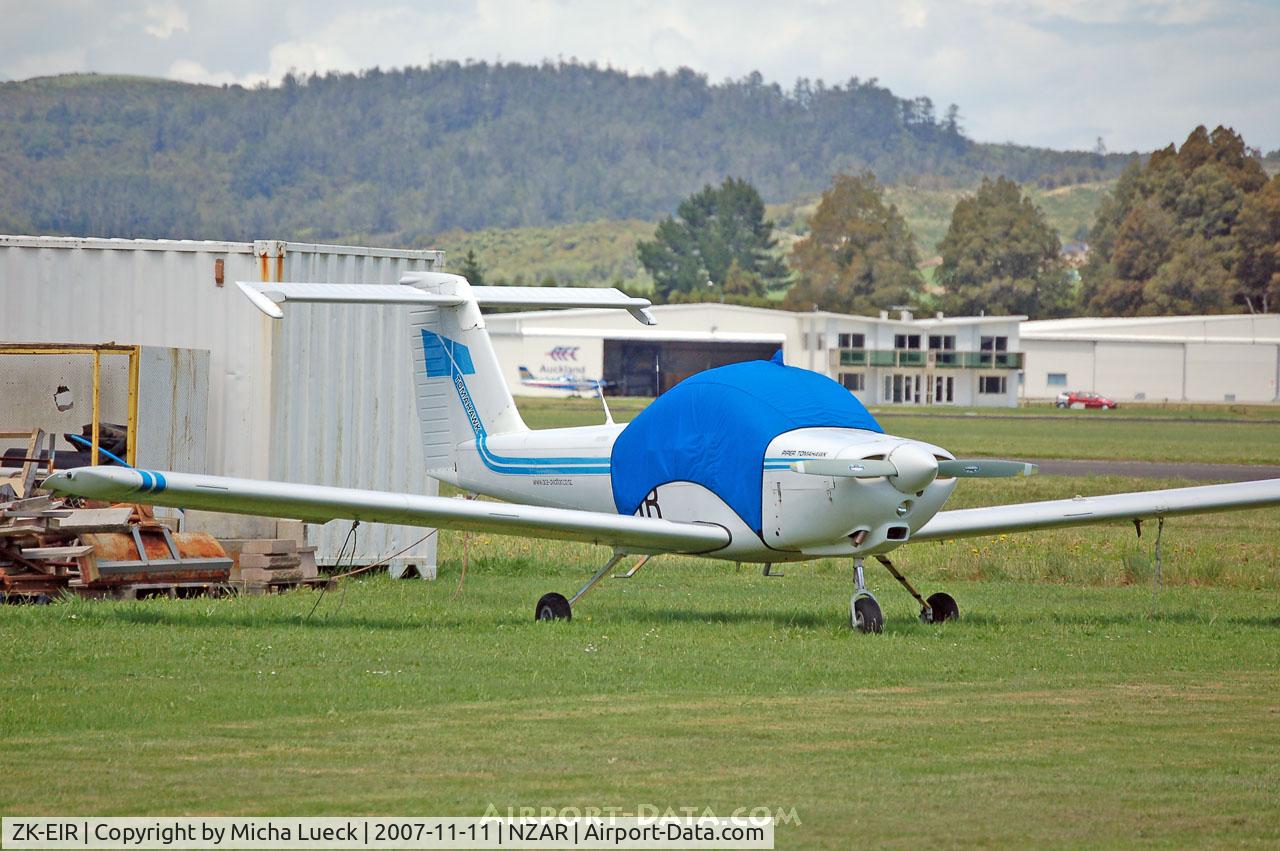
{"x":854,"y":381}
{"x":906,"y":341}
{"x":1056,"y":379}
{"x":995,"y":344}
{"x":853,"y":341}
{"x":938,"y":342}
{"x":992,"y":384}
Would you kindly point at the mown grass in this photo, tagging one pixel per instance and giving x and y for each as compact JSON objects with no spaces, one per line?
{"x":1073,"y":704}
{"x":1050,"y":715}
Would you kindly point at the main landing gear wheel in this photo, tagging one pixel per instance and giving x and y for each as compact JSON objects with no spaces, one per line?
{"x":942,"y":606}
{"x":865,"y":615}
{"x":553,"y":607}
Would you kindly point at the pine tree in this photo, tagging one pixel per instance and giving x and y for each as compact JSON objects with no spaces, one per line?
{"x":714,"y":229}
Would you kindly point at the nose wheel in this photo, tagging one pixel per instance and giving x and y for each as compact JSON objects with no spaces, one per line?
{"x":864,"y":611}
{"x":865,"y":615}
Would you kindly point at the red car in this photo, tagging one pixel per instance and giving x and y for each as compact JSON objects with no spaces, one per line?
{"x":1084,"y":399}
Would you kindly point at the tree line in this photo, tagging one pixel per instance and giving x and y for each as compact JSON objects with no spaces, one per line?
{"x":1194,"y":229}
{"x":394,"y":157}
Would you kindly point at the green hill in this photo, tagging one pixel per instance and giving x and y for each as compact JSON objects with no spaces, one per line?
{"x":394,"y":157}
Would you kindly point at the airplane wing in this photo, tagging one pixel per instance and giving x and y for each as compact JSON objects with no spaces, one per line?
{"x":1083,"y":511}
{"x":319,"y":504}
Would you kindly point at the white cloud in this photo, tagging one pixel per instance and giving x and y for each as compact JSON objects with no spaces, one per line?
{"x":164,"y":20}
{"x":190,"y":71}
{"x":58,"y":61}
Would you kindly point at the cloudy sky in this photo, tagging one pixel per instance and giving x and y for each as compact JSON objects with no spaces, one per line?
{"x":1138,"y":73}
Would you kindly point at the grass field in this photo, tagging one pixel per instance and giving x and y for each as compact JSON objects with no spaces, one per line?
{"x":1071,"y":705}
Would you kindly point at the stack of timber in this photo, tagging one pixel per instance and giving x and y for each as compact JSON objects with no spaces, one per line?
{"x":260,"y":566}
{"x":50,"y":546}
{"x":37,"y":561}
{"x":20,"y":469}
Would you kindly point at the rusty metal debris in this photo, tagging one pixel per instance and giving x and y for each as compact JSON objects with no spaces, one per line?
{"x":50,"y":547}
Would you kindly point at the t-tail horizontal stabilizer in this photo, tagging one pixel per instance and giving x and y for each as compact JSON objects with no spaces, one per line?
{"x":441,"y":289}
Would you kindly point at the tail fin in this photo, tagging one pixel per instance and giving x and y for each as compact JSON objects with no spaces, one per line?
{"x":458,"y":385}
{"x":457,"y":381}
{"x":525,"y":373}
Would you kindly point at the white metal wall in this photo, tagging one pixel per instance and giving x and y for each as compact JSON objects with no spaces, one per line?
{"x":320,"y":397}
{"x":342,"y":396}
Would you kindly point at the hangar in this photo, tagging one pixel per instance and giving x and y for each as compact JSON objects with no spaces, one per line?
{"x":1231,"y":358}
{"x":887,"y":359}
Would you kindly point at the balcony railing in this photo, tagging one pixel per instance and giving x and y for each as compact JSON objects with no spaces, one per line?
{"x":918,"y":358}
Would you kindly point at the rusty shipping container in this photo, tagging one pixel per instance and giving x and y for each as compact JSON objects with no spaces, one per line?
{"x":323,"y":397}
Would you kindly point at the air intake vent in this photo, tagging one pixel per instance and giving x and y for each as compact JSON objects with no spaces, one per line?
{"x":898,"y":533}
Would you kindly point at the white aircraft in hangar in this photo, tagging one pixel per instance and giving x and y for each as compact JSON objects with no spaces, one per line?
{"x":752,"y":462}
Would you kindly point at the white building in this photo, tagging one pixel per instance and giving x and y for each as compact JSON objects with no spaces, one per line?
{"x":884,"y":359}
{"x":1234,"y":358}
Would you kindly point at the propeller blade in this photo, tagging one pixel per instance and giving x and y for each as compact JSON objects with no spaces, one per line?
{"x":988,"y":469}
{"x":851,"y":468}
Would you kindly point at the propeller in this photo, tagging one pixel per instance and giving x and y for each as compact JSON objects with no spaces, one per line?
{"x":987,"y":469}
{"x":852,"y":468}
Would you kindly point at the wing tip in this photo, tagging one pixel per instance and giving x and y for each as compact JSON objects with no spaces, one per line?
{"x":260,"y":300}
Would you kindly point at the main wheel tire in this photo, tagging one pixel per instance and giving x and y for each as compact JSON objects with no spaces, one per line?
{"x":943,"y":606}
{"x":553,"y":607}
{"x":866,"y":615}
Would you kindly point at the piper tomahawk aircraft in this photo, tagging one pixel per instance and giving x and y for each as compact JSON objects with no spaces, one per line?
{"x":573,"y":384}
{"x":753,"y":462}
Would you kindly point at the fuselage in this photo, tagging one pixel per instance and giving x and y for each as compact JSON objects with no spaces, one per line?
{"x":801,"y":515}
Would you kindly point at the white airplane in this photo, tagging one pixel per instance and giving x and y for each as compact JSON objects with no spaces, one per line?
{"x":573,"y":384}
{"x":753,"y":462}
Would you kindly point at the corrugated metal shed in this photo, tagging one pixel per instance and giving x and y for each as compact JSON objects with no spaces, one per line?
{"x":323,"y":397}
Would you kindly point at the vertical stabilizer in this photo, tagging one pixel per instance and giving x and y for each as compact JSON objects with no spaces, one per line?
{"x":459,"y":389}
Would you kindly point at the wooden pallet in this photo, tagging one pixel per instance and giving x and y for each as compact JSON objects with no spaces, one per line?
{"x":147,"y":590}
{"x":257,"y":589}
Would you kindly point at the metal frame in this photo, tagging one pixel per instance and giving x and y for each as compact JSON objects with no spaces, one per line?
{"x":96,"y":351}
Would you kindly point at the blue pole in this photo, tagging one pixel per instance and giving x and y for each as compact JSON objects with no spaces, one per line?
{"x":75,"y":438}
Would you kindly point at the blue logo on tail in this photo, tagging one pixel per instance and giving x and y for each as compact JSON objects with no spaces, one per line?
{"x":450,"y":359}
{"x":442,"y":353}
